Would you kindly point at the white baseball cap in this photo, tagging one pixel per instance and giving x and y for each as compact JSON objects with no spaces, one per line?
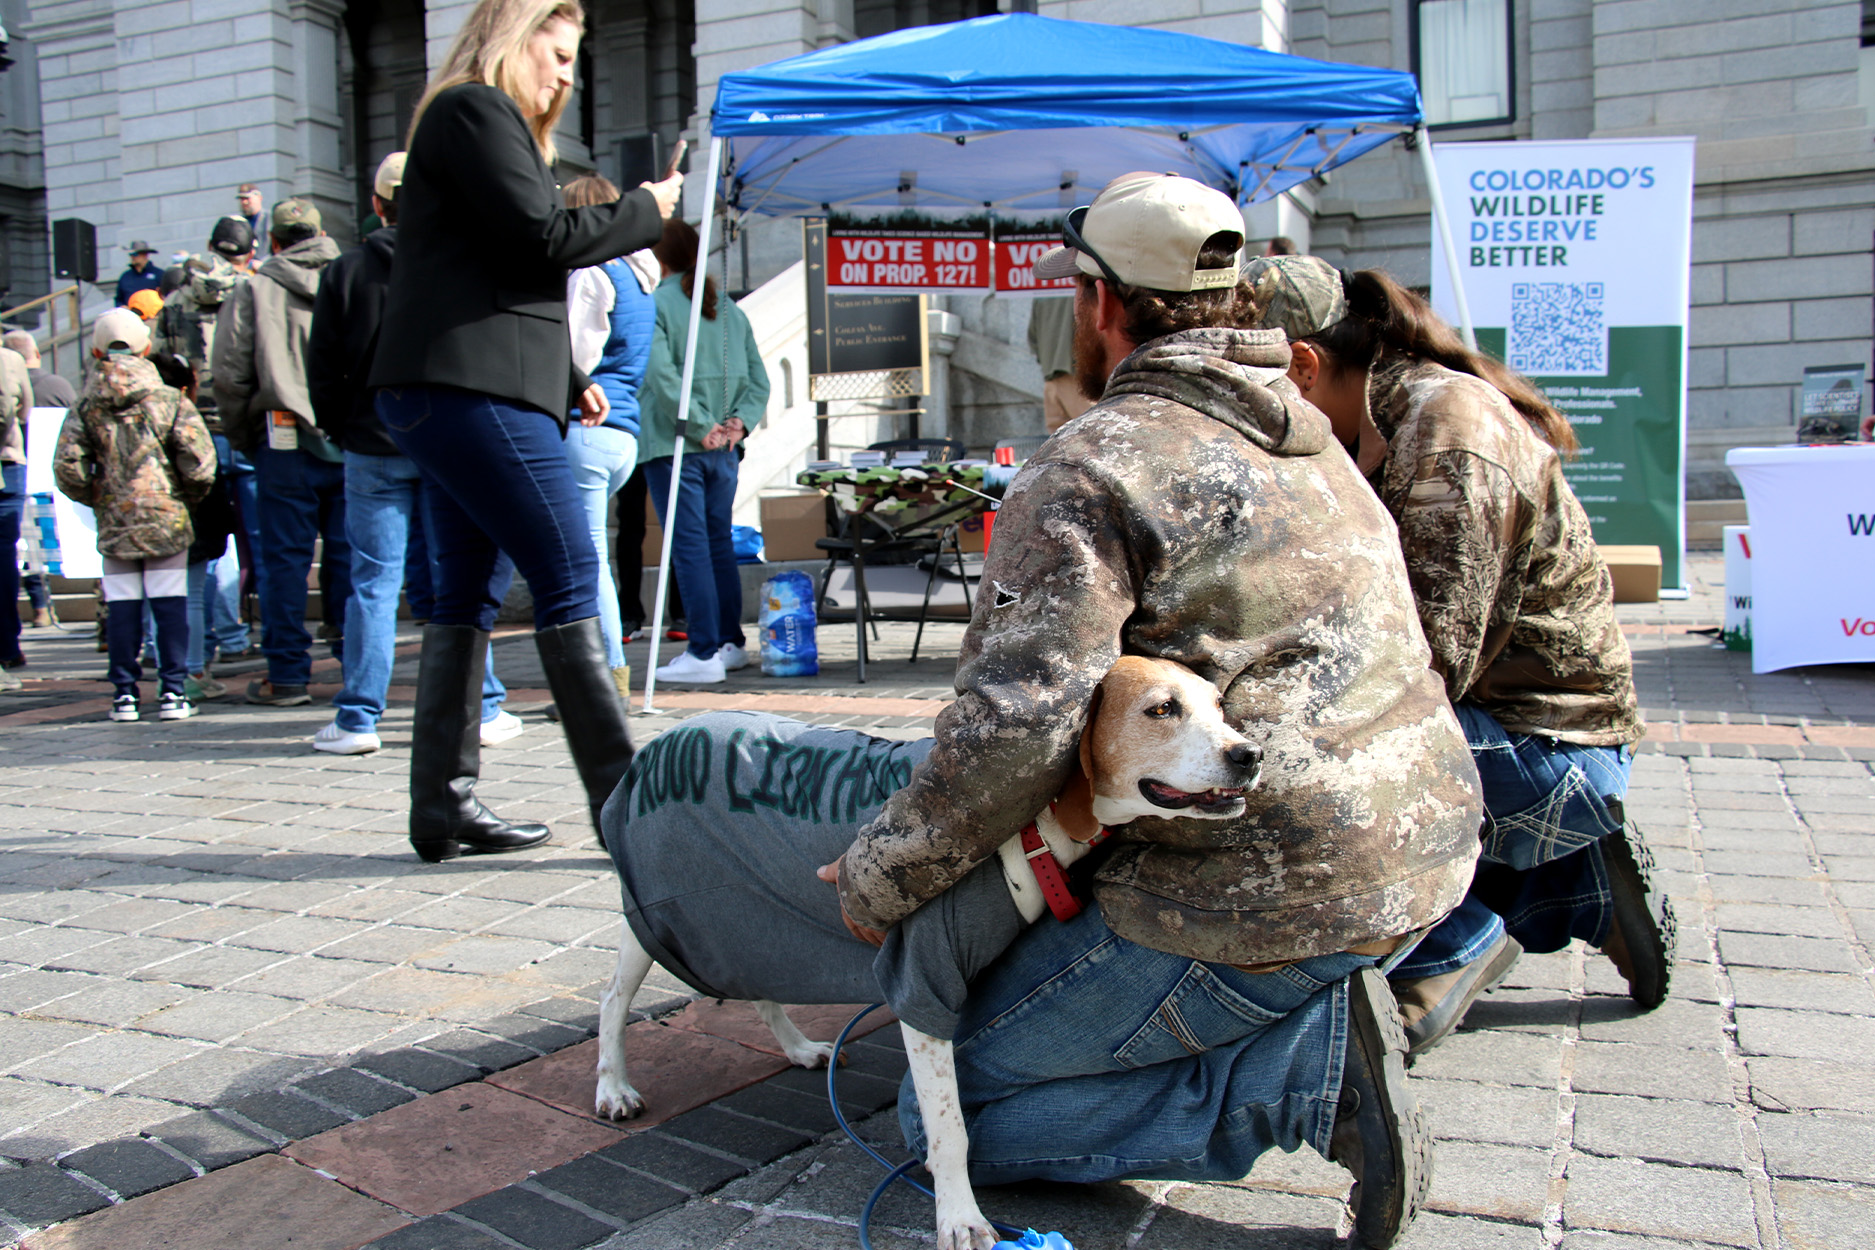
{"x":120,"y":330}
{"x":1146,"y":230}
{"x":390,"y":176}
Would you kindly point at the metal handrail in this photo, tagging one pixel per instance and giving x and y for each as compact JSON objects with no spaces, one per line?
{"x":55,"y":337}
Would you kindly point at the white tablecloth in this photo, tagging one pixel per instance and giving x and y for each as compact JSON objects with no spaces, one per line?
{"x":1812,"y":553}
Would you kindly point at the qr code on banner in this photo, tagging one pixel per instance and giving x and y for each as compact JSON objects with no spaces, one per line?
{"x":1556,"y":329}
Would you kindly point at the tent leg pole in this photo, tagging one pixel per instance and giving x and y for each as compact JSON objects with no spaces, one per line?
{"x":683,"y":418}
{"x":1443,"y":224}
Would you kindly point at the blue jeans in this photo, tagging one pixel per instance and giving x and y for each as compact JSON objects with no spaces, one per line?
{"x":601,"y":459}
{"x":382,"y":512}
{"x":12,"y":508}
{"x":215,"y":626}
{"x":244,"y":482}
{"x":1541,"y":876}
{"x":1084,"y":1057}
{"x":703,"y":554}
{"x":504,"y":486}
{"x":302,"y":499}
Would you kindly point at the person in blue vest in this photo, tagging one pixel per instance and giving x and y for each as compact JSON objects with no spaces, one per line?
{"x":611,"y":318}
{"x":141,"y":276}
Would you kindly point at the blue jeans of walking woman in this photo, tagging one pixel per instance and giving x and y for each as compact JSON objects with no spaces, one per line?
{"x":504,"y":485}
{"x":703,"y":551}
{"x":602,"y":458}
{"x":1541,"y":876}
{"x":382,"y":502}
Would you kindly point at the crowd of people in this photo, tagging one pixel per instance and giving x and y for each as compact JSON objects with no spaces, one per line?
{"x":1294,"y":480}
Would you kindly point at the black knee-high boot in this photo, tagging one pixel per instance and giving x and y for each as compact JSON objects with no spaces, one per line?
{"x":446,"y":820}
{"x":573,"y":656}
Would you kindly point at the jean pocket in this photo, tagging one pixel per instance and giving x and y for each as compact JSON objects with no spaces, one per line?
{"x":1199,"y":1014}
{"x":403,"y":410}
{"x":1568,"y":818}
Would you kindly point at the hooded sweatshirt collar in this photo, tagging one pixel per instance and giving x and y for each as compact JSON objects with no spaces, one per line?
{"x":1236,"y":377}
{"x":297,"y":268}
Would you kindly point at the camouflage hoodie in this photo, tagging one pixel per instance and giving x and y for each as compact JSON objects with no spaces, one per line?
{"x":1512,"y":592}
{"x":186,"y":325}
{"x":137,"y":453}
{"x":1201,"y":512}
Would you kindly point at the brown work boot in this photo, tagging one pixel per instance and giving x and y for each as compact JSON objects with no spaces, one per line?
{"x":1379,"y":1135}
{"x":43,"y":618}
{"x":1432,"y":1007}
{"x":1642,"y":935}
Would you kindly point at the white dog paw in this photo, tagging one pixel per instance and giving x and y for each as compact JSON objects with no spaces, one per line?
{"x":616,"y":1100}
{"x":966,"y":1235}
{"x":810,"y":1054}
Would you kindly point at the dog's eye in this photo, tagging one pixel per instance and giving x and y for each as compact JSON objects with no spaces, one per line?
{"x":1163,"y":710}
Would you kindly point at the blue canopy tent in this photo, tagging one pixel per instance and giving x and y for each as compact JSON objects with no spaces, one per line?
{"x":1023,"y":112}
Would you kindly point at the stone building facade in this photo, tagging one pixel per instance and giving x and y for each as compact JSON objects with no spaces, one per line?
{"x":154,"y":112}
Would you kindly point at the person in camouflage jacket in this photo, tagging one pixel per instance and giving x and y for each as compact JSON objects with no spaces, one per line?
{"x":1199,"y":512}
{"x":186,"y":325}
{"x":137,"y":453}
{"x":1518,"y":606}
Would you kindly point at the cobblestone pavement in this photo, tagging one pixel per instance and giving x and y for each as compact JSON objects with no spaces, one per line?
{"x":235,"y":1011}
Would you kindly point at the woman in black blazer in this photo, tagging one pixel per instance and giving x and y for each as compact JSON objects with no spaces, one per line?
{"x":476,"y":378}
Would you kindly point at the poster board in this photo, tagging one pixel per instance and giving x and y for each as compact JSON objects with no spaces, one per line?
{"x":76,"y":526}
{"x":1576,"y":260}
{"x":861,"y":337}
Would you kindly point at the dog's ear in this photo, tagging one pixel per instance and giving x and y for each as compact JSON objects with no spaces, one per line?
{"x":1074,"y":808}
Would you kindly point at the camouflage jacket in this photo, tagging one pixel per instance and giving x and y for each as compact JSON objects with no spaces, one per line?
{"x":1201,"y":512}
{"x":186,"y":325}
{"x":1514,"y":597}
{"x":137,"y":453}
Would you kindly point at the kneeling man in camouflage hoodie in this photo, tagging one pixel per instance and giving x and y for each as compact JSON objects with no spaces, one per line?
{"x":1218,"y":997}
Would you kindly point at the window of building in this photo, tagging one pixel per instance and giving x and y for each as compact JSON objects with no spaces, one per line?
{"x":1461,"y":54}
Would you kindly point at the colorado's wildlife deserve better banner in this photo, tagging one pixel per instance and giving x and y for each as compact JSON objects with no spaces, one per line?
{"x":1575,"y":258}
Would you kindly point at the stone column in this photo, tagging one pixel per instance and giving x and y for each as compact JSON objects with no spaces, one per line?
{"x":319,"y":171}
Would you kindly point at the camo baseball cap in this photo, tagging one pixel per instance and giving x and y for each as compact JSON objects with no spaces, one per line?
{"x":1299,"y":295}
{"x":211,"y":280}
{"x":294,"y":212}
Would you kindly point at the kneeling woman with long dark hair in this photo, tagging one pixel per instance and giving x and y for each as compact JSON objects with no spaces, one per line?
{"x":477,"y":379}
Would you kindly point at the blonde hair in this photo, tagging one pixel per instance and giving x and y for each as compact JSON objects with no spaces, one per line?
{"x":494,"y":34}
{"x":589,"y":189}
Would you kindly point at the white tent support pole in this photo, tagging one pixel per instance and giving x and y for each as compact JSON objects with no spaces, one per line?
{"x":697,"y":288}
{"x":1443,"y":224}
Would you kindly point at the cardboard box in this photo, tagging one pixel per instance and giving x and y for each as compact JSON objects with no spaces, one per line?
{"x":791,"y":523}
{"x":653,"y":549}
{"x":1636,"y":571}
{"x":973,"y":532}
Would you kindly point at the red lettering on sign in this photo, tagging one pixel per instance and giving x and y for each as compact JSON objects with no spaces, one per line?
{"x":1858,"y":626}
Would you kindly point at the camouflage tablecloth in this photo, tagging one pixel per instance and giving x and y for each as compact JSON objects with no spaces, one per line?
{"x":888,"y":490}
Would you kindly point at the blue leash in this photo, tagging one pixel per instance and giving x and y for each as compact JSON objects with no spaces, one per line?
{"x":1021,"y":1238}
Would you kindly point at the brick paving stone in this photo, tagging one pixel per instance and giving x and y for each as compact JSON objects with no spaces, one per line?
{"x":107,"y":1060}
{"x":111,"y":1002}
{"x":535,"y":1221}
{"x":487,"y":955}
{"x":420,"y":1069}
{"x":217,"y":1017}
{"x":673,"y":1161}
{"x":1803,"y":1034}
{"x":1433,"y":1231}
{"x":1814,"y":1216}
{"x":1764,"y":950}
{"x":540,"y":1036}
{"x":86,"y":1123}
{"x":1803,"y":991}
{"x":1813,"y":922}
{"x":1661,"y":1130}
{"x":1506,"y":1058}
{"x":209,"y":967}
{"x":1629,"y":1196}
{"x":1678,"y":1021}
{"x":41,"y":1194}
{"x":1469,"y":1111}
{"x":262,"y":1204}
{"x":440,"y":1151}
{"x":128,"y":1167}
{"x":218,"y":1075}
{"x":674,"y":1070}
{"x":355,"y":1090}
{"x":1819,"y":1146}
{"x":212,"y":1141}
{"x":490,"y":1054}
{"x":754,"y":1140}
{"x":286,"y":1114}
{"x":440,"y":1232}
{"x":1651,"y":1071}
{"x":1779,"y":1084}
{"x":625,"y":1196}
{"x":307,"y":977}
{"x":805,"y":1112}
{"x":1240,"y":1219}
{"x":695,"y":1226}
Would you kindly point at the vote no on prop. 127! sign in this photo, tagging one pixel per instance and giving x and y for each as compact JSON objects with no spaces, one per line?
{"x":1576,"y":259}
{"x":924,"y":250}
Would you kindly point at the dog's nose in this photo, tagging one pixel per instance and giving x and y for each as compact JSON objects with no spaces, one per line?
{"x":1245,"y":757}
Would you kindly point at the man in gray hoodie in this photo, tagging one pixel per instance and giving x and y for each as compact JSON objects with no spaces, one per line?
{"x":259,"y":362}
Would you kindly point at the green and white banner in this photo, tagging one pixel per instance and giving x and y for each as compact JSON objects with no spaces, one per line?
{"x":1576,"y":259}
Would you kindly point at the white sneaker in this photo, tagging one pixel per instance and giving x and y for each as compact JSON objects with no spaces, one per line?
{"x":335,"y":741}
{"x":688,"y":667}
{"x":732,"y":656}
{"x":499,"y":728}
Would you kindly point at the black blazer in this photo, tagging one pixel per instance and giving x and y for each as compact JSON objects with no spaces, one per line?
{"x":484,"y":243}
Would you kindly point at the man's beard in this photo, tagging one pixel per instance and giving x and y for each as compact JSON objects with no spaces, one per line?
{"x":1091,"y":367}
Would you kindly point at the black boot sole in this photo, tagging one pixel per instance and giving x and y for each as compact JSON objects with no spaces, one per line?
{"x":1644,"y":914}
{"x":1381,"y":1217}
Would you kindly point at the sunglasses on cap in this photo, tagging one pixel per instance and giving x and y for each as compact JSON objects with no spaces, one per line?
{"x":1071,"y":236}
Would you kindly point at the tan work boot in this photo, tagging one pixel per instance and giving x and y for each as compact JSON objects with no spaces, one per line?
{"x":622,"y":678}
{"x":1431,"y":1007}
{"x":43,"y":618}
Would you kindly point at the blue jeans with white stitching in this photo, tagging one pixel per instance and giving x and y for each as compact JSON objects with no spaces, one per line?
{"x":1084,"y":1057}
{"x":1541,"y":876}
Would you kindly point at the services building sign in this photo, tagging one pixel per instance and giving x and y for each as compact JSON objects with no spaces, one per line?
{"x":1576,"y":259}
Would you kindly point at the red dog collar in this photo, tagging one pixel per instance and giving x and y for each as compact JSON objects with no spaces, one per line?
{"x":1049,"y":876}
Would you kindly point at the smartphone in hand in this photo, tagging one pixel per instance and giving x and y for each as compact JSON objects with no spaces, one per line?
{"x":677,"y":157}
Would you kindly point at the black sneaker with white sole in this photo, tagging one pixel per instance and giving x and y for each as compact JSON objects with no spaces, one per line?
{"x":174,"y":706}
{"x":124,"y":707}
